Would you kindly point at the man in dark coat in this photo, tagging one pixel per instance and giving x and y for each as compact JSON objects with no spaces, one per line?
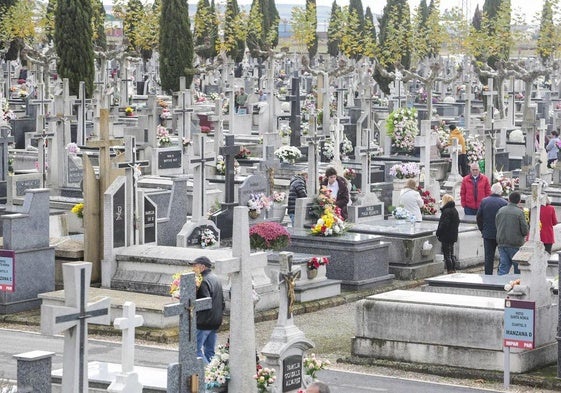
{"x":297,"y":189}
{"x":208,"y":321}
{"x":486,"y":223}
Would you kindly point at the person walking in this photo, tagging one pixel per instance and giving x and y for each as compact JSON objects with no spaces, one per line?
{"x":548,"y":219}
{"x":339,"y":190}
{"x":511,"y":232}
{"x":473,"y":189}
{"x":447,"y":231}
{"x":463,"y":166}
{"x":486,"y":223}
{"x":552,"y":148}
{"x":208,"y":321}
{"x":241,"y":99}
{"x":411,"y":199}
{"x":297,"y":189}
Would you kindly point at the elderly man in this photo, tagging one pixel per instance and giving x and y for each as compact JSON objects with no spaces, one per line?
{"x":512,"y":229}
{"x":208,"y":321}
{"x":486,"y":224}
{"x":474,"y":188}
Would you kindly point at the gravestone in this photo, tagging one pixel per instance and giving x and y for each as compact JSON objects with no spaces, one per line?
{"x":253,"y":187}
{"x":34,"y":371}
{"x":287,"y":344}
{"x":189,"y":371}
{"x":5,"y":141}
{"x":190,"y":235}
{"x":19,"y":184}
{"x":73,"y":319}
{"x":167,"y":161}
{"x":127,"y":380}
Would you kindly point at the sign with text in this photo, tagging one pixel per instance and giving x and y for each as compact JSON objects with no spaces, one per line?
{"x":291,"y":373}
{"x":169,"y":159}
{"x":7,"y":271}
{"x":519,"y":322}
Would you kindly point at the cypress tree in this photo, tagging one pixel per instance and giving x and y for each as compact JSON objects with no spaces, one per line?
{"x":547,"y":40}
{"x":74,"y":44}
{"x":16,"y":45}
{"x":333,"y":40}
{"x":176,"y":45}
{"x":99,"y":24}
{"x":370,"y":33}
{"x":311,"y":15}
{"x":135,"y":9}
{"x":263,"y":26}
{"x":235,"y":46}
{"x":204,"y":31}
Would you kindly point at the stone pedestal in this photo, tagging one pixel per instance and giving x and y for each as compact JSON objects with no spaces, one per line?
{"x":360,"y":261}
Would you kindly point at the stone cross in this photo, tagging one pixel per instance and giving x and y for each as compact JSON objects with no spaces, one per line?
{"x":183,"y":112}
{"x":242,"y":328}
{"x":199,"y":181}
{"x":42,"y":138}
{"x":467,"y":110}
{"x":5,"y":140}
{"x":454,"y":152}
{"x":536,"y":199}
{"x":314,"y":141}
{"x":541,"y":154}
{"x":424,"y":142}
{"x":127,"y":380}
{"x":229,"y":151}
{"x":366,"y":162}
{"x":188,"y":374}
{"x":490,"y":93}
{"x":295,"y":116}
{"x":132,"y":173}
{"x":73,"y":319}
{"x":41,"y":101}
{"x":82,"y":104}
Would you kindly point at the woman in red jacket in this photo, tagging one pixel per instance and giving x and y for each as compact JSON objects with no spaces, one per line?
{"x":548,"y":220}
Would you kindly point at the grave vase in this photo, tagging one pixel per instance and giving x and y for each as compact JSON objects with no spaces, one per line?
{"x":311,"y":273}
{"x":399,"y":184}
{"x":253,"y":214}
{"x":278,"y":211}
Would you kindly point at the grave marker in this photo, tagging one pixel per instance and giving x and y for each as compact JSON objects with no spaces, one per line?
{"x":73,"y":319}
{"x":199,"y":181}
{"x":188,"y":372}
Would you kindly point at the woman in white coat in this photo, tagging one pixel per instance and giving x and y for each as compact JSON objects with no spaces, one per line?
{"x":411,"y":200}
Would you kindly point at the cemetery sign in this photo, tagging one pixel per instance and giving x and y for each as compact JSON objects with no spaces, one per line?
{"x":7,"y":271}
{"x":519,"y":323}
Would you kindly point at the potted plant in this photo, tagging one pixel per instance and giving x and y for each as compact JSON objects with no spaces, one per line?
{"x":129,"y":111}
{"x":268,"y":235}
{"x":265,"y":379}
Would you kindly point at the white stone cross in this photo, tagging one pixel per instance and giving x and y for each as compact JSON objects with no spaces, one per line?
{"x":199,"y":181}
{"x":73,"y":319}
{"x":424,"y":142}
{"x":127,"y":380}
{"x":242,"y":328}
{"x":541,"y":153}
{"x":536,"y":199}
{"x":127,"y":324}
{"x":454,"y":152}
{"x":490,"y":93}
{"x":313,"y":142}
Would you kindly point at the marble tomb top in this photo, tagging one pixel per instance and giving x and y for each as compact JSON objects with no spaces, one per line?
{"x":403,"y":228}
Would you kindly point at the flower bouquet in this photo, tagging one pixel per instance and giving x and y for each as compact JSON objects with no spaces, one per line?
{"x":217,"y":372}
{"x":315,"y":262}
{"x":409,"y":170}
{"x":312,"y":365}
{"x":175,"y":286}
{"x":329,"y":147}
{"x":129,"y":111}
{"x":402,"y":127}
{"x":221,"y":166}
{"x":207,"y":238}
{"x":279,"y":197}
{"x":244,"y":153}
{"x":506,"y":183}
{"x":475,"y":149}
{"x":329,"y":224}
{"x":265,"y":377}
{"x":284,"y":130}
{"x":268,"y":235}
{"x":429,"y":207}
{"x":349,"y":174}
{"x":399,"y":213}
{"x":258,"y":202}
{"x":72,"y":149}
{"x":288,"y":153}
{"x":78,"y":209}
{"x":162,"y":135}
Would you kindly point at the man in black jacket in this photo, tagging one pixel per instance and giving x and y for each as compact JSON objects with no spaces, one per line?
{"x":297,"y":189}
{"x":208,"y":321}
{"x":486,"y":223}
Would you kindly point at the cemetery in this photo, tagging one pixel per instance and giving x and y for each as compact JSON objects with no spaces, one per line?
{"x":114,"y":184}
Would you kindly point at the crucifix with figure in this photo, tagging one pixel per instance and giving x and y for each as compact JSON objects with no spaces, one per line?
{"x":43,"y":138}
{"x":188,"y":374}
{"x":73,"y":319}
{"x":132,"y":169}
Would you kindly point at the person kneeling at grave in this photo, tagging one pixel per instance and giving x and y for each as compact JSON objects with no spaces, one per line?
{"x":208,"y":321}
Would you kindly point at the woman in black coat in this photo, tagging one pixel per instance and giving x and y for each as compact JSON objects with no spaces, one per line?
{"x":447,"y":232}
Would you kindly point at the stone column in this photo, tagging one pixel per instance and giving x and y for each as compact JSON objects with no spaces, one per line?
{"x":34,"y":371}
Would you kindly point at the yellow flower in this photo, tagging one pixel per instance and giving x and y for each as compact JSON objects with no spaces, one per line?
{"x":78,"y":209}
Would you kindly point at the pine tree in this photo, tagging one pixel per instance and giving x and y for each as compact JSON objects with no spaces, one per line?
{"x":205,"y":30}
{"x":311,"y":16}
{"x":548,"y":38}
{"x":333,"y":40}
{"x":74,"y":43}
{"x":176,"y":45}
